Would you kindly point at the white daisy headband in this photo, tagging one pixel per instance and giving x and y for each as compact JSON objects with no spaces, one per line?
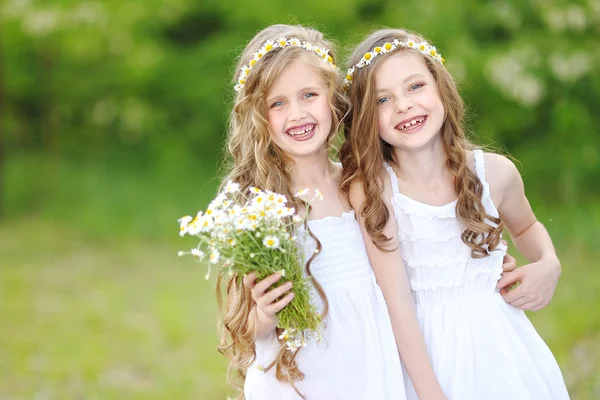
{"x":423,"y":47}
{"x":280,"y":43}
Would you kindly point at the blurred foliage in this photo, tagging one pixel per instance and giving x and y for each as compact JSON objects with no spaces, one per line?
{"x":146,"y":85}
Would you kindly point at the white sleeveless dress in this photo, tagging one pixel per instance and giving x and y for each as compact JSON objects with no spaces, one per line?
{"x":357,"y":359}
{"x":481,"y":347}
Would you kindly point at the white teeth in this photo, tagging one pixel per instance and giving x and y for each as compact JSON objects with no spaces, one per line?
{"x":418,"y":120}
{"x":301,"y":132}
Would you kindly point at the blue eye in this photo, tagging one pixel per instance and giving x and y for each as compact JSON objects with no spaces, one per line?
{"x":309,"y":95}
{"x":277,"y":104}
{"x":416,"y":86}
{"x":383,"y":100}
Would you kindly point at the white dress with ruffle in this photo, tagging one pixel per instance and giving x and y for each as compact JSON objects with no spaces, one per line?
{"x":481,"y":348}
{"x":357,"y":357}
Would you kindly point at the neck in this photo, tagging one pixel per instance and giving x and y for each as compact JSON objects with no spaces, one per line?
{"x":425,"y":165}
{"x":312,"y":172}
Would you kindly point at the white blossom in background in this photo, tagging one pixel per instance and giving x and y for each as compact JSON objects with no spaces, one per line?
{"x":576,"y":19}
{"x":15,"y":8}
{"x":570,"y":67}
{"x":507,"y":14}
{"x":41,"y":22}
{"x":512,"y":73}
{"x":556,"y":20}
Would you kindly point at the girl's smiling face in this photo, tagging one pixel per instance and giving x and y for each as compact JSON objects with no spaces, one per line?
{"x":298,"y":110}
{"x":409,"y":108}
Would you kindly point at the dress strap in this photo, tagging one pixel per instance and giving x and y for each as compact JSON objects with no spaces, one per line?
{"x":479,"y":165}
{"x":393,"y":178}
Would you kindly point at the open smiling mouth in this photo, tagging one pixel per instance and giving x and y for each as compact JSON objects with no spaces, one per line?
{"x":301,"y":132}
{"x":412,"y":124}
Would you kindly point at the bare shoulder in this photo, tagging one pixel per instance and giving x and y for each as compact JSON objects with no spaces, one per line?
{"x":503,"y":178}
{"x":500,"y":170}
{"x":357,"y":194}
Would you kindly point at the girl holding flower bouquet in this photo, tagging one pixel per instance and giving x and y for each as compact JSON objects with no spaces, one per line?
{"x":288,"y":107}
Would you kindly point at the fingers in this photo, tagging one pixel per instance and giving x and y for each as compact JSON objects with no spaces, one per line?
{"x":521,"y":299}
{"x":529,"y":306}
{"x":509,"y":263}
{"x":512,"y":296}
{"x":508,"y":278}
{"x":264,"y":298}
{"x":540,"y":306}
{"x":521,"y":302}
{"x":249,"y":280}
{"x":274,"y":308}
{"x":262,"y":286}
{"x":269,"y":297}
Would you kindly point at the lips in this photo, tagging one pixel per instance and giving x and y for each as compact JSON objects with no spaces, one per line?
{"x":411,"y":124}
{"x":301,"y":133}
{"x":302,"y":130}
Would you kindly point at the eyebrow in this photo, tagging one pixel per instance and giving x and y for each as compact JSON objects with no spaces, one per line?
{"x":310,"y":89}
{"x":305,"y":89}
{"x":408,"y":78}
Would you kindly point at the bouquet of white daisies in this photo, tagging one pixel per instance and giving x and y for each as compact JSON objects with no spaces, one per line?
{"x":257,"y":234}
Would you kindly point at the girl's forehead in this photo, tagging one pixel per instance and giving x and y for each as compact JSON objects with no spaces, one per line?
{"x":400,"y":66}
{"x":298,"y":73}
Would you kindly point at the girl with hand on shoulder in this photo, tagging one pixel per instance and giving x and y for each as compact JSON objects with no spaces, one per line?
{"x":433,"y":206}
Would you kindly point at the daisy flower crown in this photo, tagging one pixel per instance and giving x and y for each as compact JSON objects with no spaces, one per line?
{"x":422,"y":46}
{"x":280,"y":43}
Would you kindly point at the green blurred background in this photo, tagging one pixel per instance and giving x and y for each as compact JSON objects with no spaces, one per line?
{"x":112,"y":117}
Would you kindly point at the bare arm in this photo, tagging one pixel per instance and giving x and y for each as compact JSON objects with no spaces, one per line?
{"x":393,"y":281}
{"x":531,"y":239}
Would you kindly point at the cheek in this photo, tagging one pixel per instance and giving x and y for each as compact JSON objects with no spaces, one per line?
{"x":274,"y":122}
{"x":382,"y":119}
{"x":440,"y":109}
{"x":436,"y":101}
{"x":324,"y":111}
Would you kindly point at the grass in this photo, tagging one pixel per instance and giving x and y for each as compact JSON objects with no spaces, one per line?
{"x":121,"y":320}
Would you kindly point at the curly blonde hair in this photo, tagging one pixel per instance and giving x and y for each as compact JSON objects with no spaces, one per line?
{"x":255,"y":160}
{"x":364,"y":152}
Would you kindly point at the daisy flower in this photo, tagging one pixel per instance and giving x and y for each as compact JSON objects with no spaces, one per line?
{"x":271,"y":242}
{"x":301,"y":193}
{"x":183,"y":224}
{"x":197,"y":253}
{"x":232,"y":187}
{"x":214,"y":256}
{"x":282,"y":42}
{"x":269,"y":45}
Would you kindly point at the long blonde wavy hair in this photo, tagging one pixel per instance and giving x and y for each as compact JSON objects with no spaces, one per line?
{"x":364,"y":152}
{"x":255,"y":160}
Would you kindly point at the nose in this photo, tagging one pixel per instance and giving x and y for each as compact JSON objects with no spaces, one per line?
{"x":402,"y":104}
{"x":297,"y":111}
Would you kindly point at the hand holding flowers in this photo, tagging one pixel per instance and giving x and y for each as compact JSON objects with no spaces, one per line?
{"x":253,"y":235}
